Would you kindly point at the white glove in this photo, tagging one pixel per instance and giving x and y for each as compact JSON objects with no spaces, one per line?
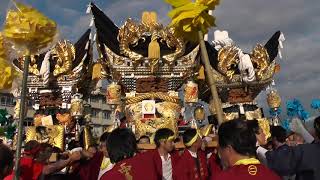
{"x":297,"y":127}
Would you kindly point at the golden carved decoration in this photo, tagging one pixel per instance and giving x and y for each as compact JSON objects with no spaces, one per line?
{"x":167,"y":35}
{"x":76,"y":109}
{"x":169,"y":113}
{"x":231,"y":116}
{"x":251,"y":115}
{"x":131,"y":32}
{"x":265,"y":126}
{"x":37,"y":119}
{"x":199,"y":113}
{"x":53,"y":135}
{"x":162,"y":96}
{"x":64,"y":52}
{"x":64,"y":119}
{"x":260,"y":58}
{"x":33,"y":66}
{"x":149,"y":19}
{"x":273,"y":99}
{"x":227,"y":57}
{"x":191,"y":92}
{"x":113,"y":93}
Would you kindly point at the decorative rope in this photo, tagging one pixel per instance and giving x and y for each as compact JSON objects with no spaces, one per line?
{"x":161,"y":96}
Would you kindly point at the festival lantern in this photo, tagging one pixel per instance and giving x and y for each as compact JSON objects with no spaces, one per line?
{"x":274,"y":102}
{"x":76,"y":111}
{"x":191,"y":92}
{"x":199,"y":114}
{"x":113,"y":96}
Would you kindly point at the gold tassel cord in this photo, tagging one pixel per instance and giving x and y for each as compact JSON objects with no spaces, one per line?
{"x":154,"y":48}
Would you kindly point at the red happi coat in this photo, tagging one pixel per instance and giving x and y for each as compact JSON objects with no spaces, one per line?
{"x":89,"y":170}
{"x":155,"y":156}
{"x":213,"y":166}
{"x":139,"y":167}
{"x":247,"y":172}
{"x":187,"y":168}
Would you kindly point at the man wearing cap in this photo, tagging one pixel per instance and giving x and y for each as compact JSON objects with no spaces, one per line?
{"x":192,"y":164}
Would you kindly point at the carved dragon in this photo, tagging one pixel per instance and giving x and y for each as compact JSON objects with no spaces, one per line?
{"x":260,"y":58}
{"x":64,"y":52}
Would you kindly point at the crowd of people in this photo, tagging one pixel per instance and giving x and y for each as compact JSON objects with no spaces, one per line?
{"x":243,"y":153}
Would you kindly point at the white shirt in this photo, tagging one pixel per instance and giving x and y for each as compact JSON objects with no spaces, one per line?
{"x":193,"y":154}
{"x":166,"y":168}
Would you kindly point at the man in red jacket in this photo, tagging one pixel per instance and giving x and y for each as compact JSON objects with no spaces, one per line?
{"x":237,"y":146}
{"x":193,"y":163}
{"x":164,"y":157}
{"x":122,"y":149}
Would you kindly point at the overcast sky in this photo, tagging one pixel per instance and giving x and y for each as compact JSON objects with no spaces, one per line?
{"x":248,"y":22}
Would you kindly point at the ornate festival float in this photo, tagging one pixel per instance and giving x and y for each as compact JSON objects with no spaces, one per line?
{"x":148,"y":64}
{"x":156,"y":73}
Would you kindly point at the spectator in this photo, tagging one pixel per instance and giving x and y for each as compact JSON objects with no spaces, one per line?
{"x":302,"y":160}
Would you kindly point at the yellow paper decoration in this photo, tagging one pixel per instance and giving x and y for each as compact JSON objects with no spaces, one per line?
{"x":6,"y":70}
{"x":190,"y":17}
{"x":28,"y":29}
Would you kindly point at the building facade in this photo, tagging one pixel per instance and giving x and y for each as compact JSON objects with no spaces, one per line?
{"x":96,"y":107}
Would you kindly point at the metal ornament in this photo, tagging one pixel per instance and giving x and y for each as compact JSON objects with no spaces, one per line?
{"x":113,"y":94}
{"x":191,"y":92}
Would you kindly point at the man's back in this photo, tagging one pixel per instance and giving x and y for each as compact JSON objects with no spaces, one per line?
{"x":247,"y":172}
{"x":139,"y":167}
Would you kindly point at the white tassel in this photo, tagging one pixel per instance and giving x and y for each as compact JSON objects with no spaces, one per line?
{"x":246,"y":67}
{"x":90,"y":36}
{"x":88,"y":11}
{"x":241,"y":109}
{"x":95,"y":37}
{"x":87,"y":45}
{"x":45,"y":68}
{"x":280,"y":54}
{"x":281,"y":40}
{"x":91,"y":22}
